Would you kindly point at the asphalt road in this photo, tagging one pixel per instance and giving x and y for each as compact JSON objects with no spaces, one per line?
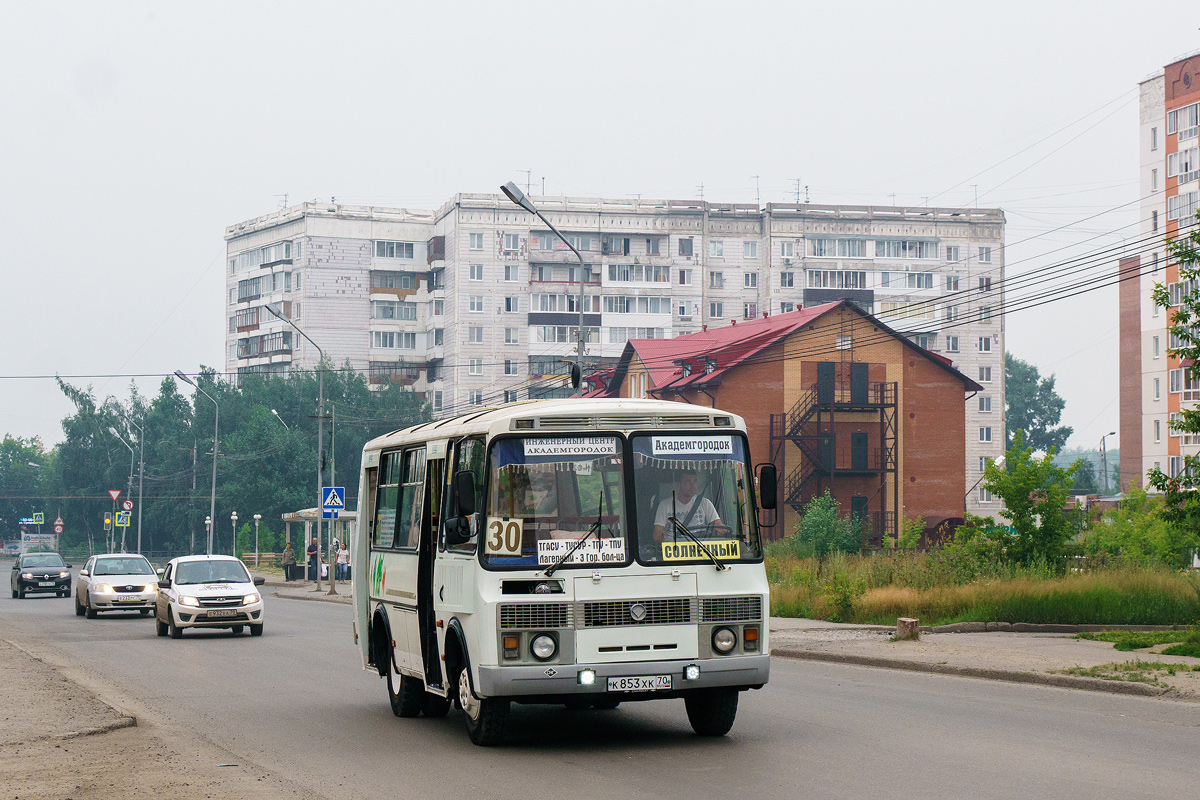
{"x":297,"y":703}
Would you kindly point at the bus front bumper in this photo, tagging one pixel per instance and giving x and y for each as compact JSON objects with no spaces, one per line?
{"x":743,"y":672}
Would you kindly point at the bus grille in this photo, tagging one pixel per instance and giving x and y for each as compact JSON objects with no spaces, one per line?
{"x":663,"y":611}
{"x":730,"y":609}
{"x":535,"y":615}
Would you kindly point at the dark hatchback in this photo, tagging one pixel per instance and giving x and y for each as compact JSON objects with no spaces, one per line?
{"x":41,"y":572}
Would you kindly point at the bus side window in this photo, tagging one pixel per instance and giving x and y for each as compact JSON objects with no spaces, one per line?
{"x":468,"y":455}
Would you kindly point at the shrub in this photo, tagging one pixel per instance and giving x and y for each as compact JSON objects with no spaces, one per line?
{"x":821,"y":528}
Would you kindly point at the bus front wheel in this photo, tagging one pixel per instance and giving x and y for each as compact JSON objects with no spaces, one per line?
{"x":712,"y":711}
{"x":486,"y":716}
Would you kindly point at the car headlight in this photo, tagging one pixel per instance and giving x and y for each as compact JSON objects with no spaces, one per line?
{"x":250,"y":598}
{"x":27,"y":575}
{"x":102,"y":588}
{"x":64,"y":574}
{"x":724,"y":640}
{"x":188,"y":601}
{"x":543,"y":646}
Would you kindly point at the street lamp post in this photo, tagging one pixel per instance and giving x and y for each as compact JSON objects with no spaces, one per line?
{"x":257,"y":517}
{"x":320,"y":425}
{"x":212,"y":503}
{"x":513,"y":193}
{"x":1104,"y":458}
{"x":141,"y":475}
{"x":208,"y":531}
{"x":233,"y":519}
{"x":132,"y":455}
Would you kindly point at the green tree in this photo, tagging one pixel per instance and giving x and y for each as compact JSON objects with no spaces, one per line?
{"x":1034,"y":492}
{"x":25,"y":479}
{"x":1033,"y":406}
{"x":1137,"y":531}
{"x":1085,"y":478}
{"x":1181,"y":490}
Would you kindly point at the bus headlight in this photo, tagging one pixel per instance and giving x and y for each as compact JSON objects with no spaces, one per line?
{"x":724,"y":640}
{"x":543,"y":647}
{"x":587,"y":677}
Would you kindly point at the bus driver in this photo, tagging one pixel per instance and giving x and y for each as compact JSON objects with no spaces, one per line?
{"x":693,"y":512}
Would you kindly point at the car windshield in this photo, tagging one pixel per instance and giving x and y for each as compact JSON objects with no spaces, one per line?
{"x":698,"y":484}
{"x":123,"y":566}
{"x":44,"y":560}
{"x":211,"y":572}
{"x":546,"y":494}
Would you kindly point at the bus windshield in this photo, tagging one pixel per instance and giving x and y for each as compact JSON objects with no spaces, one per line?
{"x":693,"y":499}
{"x":547,"y":494}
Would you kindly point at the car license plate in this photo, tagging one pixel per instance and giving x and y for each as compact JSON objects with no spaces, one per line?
{"x":128,"y":598}
{"x":222,"y":612}
{"x":640,"y":683}
{"x":46,"y":583}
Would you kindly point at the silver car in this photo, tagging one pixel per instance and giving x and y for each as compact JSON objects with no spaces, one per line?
{"x":117,"y":582}
{"x":208,"y":592}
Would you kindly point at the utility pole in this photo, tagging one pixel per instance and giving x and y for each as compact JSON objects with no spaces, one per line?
{"x":332,"y":482}
{"x":528,"y":178}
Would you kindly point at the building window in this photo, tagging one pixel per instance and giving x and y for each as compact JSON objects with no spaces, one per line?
{"x":685,"y":246}
{"x":787,"y":280}
{"x":392,"y":309}
{"x":716,"y":280}
{"x":845,"y":341}
{"x":750,"y":280}
{"x":475,"y":366}
{"x":749,"y":310}
{"x":750,"y":249}
{"x":924,"y":340}
{"x":716,"y":310}
{"x":951,"y":313}
{"x":437,"y":400}
{"x":985,"y":314}
{"x":905,"y":248}
{"x":653,"y":246}
{"x":512,"y":272}
{"x":985,"y":344}
{"x":391,"y":280}
{"x":512,"y":242}
{"x":510,"y":367}
{"x":1154,"y":221}
{"x":476,"y":241}
{"x":985,"y":434}
{"x":394,"y":340}
{"x":951,"y":283}
{"x":785,"y":307}
{"x":985,"y":404}
{"x":985,"y":284}
{"x":716,"y":249}
{"x":951,"y":344}
{"x":511,"y":336}
{"x":1154,"y":347}
{"x":1154,"y":180}
{"x":787,"y":249}
{"x":685,"y":277}
{"x":477,"y":302}
{"x":616,"y":246}
{"x":476,"y":272}
{"x":985,"y":374}
{"x":952,"y":252}
{"x":837,"y":279}
{"x":1154,"y":138}
{"x":985,"y":255}
{"x":983,"y":463}
{"x":510,"y":305}
{"x":475,"y":398}
{"x":439,"y":308}
{"x":393,"y":249}
{"x":1157,"y":389}
{"x":985,"y":495}
{"x":475,"y":334}
{"x":1158,"y":430}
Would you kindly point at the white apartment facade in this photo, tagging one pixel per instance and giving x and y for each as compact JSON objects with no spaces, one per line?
{"x":1154,"y":385}
{"x":477,"y":302}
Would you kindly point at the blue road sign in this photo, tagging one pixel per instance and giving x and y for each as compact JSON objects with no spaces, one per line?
{"x":39,"y":517}
{"x":334,"y":498}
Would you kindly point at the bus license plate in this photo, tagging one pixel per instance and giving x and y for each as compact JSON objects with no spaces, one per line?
{"x":640,"y":683}
{"x":224,"y":612}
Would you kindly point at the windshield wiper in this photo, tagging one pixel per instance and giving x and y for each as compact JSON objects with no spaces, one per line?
{"x":681,"y":528}
{"x":595,"y":528}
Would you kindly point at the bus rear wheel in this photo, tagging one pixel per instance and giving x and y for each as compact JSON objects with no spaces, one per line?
{"x":404,"y":693}
{"x":712,"y":711}
{"x":486,"y":716}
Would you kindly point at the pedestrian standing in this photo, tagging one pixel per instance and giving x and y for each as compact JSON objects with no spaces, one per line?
{"x":288,"y":561}
{"x":343,"y":562}
{"x":314,"y":560}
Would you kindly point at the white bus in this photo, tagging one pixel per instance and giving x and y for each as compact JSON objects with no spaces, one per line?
{"x":581,"y":552}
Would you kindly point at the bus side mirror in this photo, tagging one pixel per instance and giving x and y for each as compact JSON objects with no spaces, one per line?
{"x":464,"y":492}
{"x":768,"y":487}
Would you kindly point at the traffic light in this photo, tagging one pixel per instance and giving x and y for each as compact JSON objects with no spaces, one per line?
{"x":575,"y":376}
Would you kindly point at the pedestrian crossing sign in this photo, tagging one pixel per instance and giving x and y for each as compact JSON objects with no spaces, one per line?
{"x":122,"y":519}
{"x":333,"y":500}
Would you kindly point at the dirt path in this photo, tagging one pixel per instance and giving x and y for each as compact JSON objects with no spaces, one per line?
{"x":60,"y":739}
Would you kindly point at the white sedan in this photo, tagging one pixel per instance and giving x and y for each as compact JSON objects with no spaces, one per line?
{"x":117,"y":582}
{"x":208,"y":592}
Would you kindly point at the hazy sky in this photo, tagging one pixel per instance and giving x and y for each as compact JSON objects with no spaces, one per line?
{"x":131,"y":134}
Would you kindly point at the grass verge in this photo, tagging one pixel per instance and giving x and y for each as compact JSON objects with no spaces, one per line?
{"x":1134,"y":671}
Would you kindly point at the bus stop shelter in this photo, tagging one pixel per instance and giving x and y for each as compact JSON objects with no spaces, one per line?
{"x":340,"y":529}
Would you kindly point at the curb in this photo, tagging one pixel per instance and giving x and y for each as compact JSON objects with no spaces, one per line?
{"x":321,"y":597}
{"x":1012,"y":676}
{"x":1035,"y":627}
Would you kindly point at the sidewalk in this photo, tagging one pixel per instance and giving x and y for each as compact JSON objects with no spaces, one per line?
{"x":306,"y":590}
{"x":1019,"y":655}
